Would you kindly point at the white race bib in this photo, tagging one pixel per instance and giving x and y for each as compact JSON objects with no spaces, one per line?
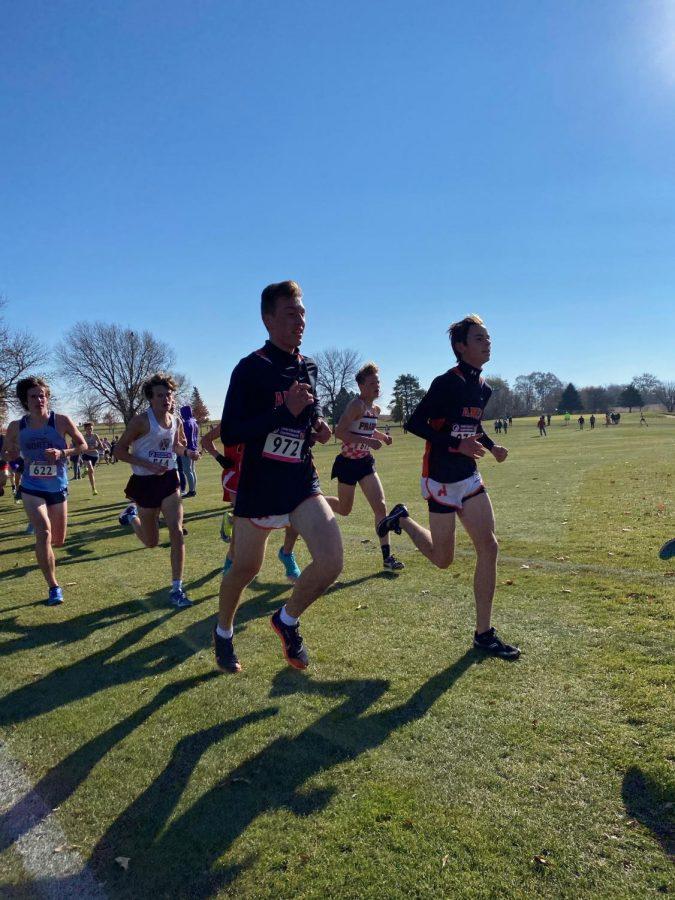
{"x":463,"y":431}
{"x":162,"y":458}
{"x":42,"y":469}
{"x":284,"y":445}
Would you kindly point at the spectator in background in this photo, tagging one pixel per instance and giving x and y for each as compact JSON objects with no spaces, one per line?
{"x":191,"y":428}
{"x":592,"y":421}
{"x":541,"y":425}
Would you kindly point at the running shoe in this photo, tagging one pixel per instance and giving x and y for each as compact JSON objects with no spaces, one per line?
{"x":226,"y":528}
{"x":391,"y":522}
{"x":293,"y":570}
{"x":226,"y":658}
{"x":129,"y":513}
{"x":490,"y":642}
{"x":30,"y":528}
{"x":291,"y":641}
{"x":190,"y":494}
{"x":394,"y":564}
{"x":668,"y":550}
{"x":55,"y":596}
{"x":95,"y":493}
{"x":17,"y":495}
{"x":227,"y":565}
{"x":179,"y":599}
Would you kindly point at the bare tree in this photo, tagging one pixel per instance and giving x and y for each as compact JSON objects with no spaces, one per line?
{"x":20,"y":353}
{"x":337,"y":369}
{"x":112,"y":362}
{"x":90,"y":408}
{"x":647,"y":384}
{"x":665,"y":393}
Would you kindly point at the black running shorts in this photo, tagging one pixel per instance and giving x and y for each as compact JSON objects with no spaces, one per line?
{"x":351,"y":471}
{"x":149,"y":491}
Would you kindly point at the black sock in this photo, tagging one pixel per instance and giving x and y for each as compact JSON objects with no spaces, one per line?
{"x":386,"y":551}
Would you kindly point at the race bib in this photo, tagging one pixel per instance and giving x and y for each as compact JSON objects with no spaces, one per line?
{"x":42,"y":469}
{"x":161,"y":458}
{"x":284,"y":445}
{"x":463,"y":431}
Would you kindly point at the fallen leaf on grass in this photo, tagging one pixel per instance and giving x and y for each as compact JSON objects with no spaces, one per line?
{"x":524,"y":566}
{"x":362,"y":606}
{"x":509,"y":581}
{"x":424,"y":592}
{"x":541,"y":860}
{"x":123,"y":862}
{"x":444,"y":861}
{"x":566,"y":591}
{"x":626,"y":529}
{"x":562,"y":558}
{"x":70,"y":584}
{"x":366,"y":541}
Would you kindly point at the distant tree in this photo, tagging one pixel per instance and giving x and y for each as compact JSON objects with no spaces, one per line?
{"x":337,"y":369}
{"x":501,"y":402}
{"x":108,"y":418}
{"x":341,"y":402}
{"x":407,"y":394}
{"x":594,"y":398}
{"x":90,"y":408}
{"x":648,"y":385}
{"x":113,"y":362}
{"x":570,"y":401}
{"x":665,"y":393}
{"x":537,"y":391}
{"x":526,"y":391}
{"x":199,"y":410}
{"x":630,"y":397}
{"x":20,"y":354}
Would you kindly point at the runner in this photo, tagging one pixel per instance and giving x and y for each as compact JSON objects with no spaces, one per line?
{"x":230,"y":463}
{"x":150,"y":444}
{"x":449,"y":418}
{"x":39,"y":438}
{"x":91,"y":454}
{"x":271,"y":408}
{"x":357,"y":429}
{"x":541,"y":425}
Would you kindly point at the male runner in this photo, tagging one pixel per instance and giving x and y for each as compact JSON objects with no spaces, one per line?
{"x":449,"y":418}
{"x":355,"y":464}
{"x":271,"y":408}
{"x":91,"y":454}
{"x":39,"y":438}
{"x":150,"y":444}
{"x":230,"y":463}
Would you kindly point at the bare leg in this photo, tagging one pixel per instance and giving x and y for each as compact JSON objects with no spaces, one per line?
{"x":172,"y":510}
{"x":290,"y":538}
{"x":315,"y":522}
{"x":146,"y":526}
{"x":342,"y":504}
{"x":374,"y":494}
{"x":478,"y":520}
{"x":36,"y":510}
{"x":437,"y":544}
{"x":90,"y":474}
{"x":251,"y":542}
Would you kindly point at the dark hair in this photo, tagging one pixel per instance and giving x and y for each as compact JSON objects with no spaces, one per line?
{"x":25,"y":385}
{"x":159,"y":379}
{"x":369,"y":369}
{"x":459,"y":331}
{"x":290,"y":290}
{"x":87,"y":424}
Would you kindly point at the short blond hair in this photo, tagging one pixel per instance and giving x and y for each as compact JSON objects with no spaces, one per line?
{"x":459,"y":331}
{"x":369,"y":369}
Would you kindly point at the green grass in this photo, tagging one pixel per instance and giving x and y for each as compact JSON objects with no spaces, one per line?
{"x":400,"y":764}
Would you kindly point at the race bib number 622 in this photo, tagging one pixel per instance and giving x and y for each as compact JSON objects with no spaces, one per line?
{"x":284,"y":445}
{"x":42,"y":469}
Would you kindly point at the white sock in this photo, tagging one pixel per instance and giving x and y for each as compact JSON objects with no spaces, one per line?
{"x":285,"y":618}
{"x":224,"y":632}
{"x":177,"y":584}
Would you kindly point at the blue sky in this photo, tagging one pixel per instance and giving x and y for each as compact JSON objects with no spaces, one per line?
{"x":407,"y":163}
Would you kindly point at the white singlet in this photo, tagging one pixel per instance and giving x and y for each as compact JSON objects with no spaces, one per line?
{"x":157,"y":446}
{"x":360,"y":428}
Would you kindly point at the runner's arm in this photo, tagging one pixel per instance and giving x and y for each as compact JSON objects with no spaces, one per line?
{"x":136,"y":428}
{"x":10,"y":449}
{"x":70,"y":428}
{"x":432,"y":407}
{"x":353,"y":411}
{"x":237,"y":425}
{"x":486,"y":441}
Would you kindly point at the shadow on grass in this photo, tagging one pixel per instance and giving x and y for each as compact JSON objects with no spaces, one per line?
{"x":649,"y":803}
{"x":177,"y":858}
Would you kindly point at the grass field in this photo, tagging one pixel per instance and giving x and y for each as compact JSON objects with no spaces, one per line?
{"x":400,"y":764}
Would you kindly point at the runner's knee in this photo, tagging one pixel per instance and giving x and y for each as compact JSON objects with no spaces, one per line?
{"x":445,"y":558}
{"x":488,"y":546}
{"x":244,"y":571}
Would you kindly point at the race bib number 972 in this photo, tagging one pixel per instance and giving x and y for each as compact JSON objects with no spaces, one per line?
{"x":284,"y":445}
{"x":42,"y":469}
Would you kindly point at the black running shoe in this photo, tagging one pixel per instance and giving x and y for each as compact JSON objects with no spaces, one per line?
{"x":391,"y":522}
{"x":490,"y":642}
{"x":226,"y":658}
{"x":395,"y":565}
{"x":291,"y":641}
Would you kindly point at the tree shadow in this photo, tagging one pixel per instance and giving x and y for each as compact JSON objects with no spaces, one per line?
{"x":178,"y":859}
{"x":650,"y":803}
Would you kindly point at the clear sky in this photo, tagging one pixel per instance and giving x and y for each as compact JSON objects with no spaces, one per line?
{"x":406,"y":162}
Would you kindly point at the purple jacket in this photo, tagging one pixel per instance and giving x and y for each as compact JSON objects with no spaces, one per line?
{"x":190,"y":426}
